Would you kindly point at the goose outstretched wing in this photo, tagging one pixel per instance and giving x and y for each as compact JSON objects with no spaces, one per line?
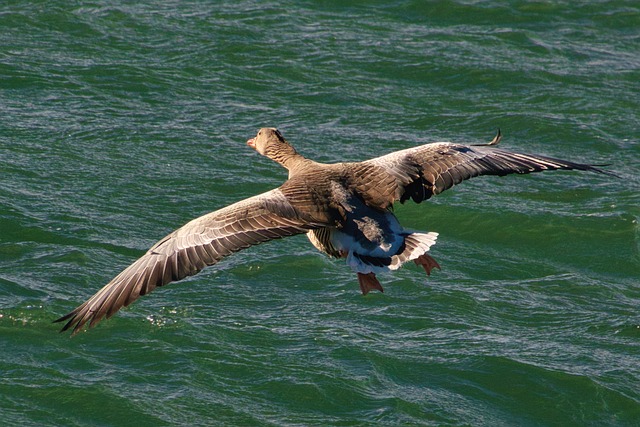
{"x":202,"y":242}
{"x":419,"y":173}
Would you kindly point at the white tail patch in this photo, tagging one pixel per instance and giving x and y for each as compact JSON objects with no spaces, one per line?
{"x":416,"y":244}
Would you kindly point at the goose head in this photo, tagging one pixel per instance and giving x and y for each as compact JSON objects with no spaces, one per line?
{"x":270,"y":143}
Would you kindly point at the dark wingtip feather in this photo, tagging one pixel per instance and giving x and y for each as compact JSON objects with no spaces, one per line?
{"x":64,"y":318}
{"x":589,"y":168}
{"x":596,"y":168}
{"x":71,"y":317}
{"x":73,"y":322}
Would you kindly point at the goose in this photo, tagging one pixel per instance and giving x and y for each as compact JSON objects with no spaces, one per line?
{"x":344,"y":208}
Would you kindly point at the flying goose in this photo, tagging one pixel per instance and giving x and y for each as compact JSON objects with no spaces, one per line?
{"x":345,"y":209}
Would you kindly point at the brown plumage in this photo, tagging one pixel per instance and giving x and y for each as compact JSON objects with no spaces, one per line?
{"x":344,"y":208}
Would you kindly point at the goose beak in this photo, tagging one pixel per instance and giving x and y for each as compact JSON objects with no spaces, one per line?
{"x":252,"y":143}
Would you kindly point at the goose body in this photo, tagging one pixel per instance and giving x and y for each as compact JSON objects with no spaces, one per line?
{"x":344,"y":208}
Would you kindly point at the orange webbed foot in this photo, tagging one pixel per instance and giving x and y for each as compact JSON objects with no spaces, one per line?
{"x":427,"y":262}
{"x":368,"y":282}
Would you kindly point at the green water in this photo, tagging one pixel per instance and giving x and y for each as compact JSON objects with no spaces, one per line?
{"x":121,"y":121}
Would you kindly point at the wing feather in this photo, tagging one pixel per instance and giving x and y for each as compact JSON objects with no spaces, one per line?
{"x":421,"y":172}
{"x":199,"y":243}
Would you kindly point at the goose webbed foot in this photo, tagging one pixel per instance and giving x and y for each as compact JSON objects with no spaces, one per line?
{"x":427,"y":262}
{"x":368,"y":282}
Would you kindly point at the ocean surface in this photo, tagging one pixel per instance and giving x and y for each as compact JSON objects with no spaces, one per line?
{"x":121,"y":121}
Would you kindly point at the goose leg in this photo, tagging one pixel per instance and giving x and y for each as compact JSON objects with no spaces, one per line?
{"x":427,"y":262}
{"x":368,"y":282}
